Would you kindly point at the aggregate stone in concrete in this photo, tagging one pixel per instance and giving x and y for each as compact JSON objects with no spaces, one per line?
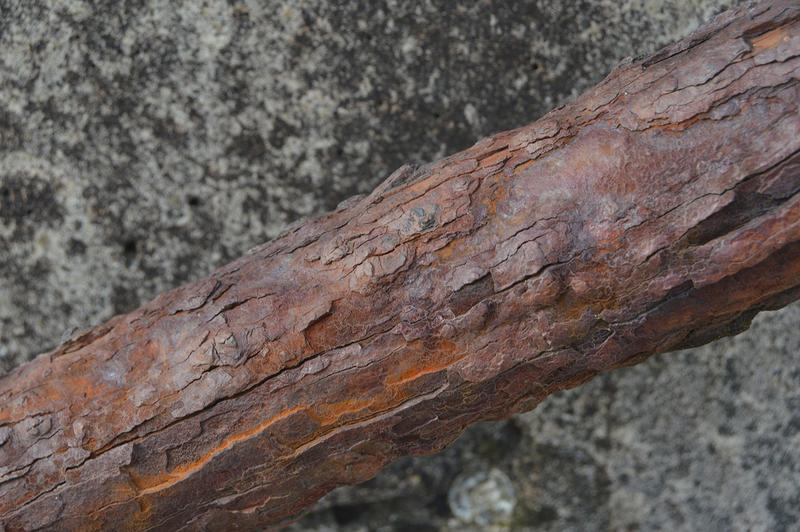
{"x":144,"y":143}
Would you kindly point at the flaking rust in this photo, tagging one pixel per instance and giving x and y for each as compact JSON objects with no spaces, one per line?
{"x":617,"y":226}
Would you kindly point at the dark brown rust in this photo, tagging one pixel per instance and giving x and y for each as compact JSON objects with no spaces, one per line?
{"x":660,"y":209}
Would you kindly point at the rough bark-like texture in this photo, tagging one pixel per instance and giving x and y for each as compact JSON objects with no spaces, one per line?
{"x":657,"y":211}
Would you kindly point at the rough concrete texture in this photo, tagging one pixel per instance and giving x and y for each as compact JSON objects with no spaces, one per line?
{"x":147,"y":142}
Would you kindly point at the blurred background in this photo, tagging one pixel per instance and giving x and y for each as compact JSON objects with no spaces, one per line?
{"x":144,"y":143}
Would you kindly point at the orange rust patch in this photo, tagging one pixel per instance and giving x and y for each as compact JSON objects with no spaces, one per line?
{"x":415,"y":373}
{"x":496,"y":196}
{"x":605,"y":234}
{"x":426,"y":361}
{"x":155,"y":483}
{"x":676,"y":128}
{"x":139,"y":520}
{"x":522,"y":166}
{"x":328,"y":413}
{"x":495,"y":158}
{"x":771,"y":39}
{"x":447,"y":252}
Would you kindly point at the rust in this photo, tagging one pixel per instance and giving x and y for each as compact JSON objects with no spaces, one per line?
{"x":659,"y":210}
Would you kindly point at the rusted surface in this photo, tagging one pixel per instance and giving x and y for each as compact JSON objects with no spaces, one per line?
{"x":659,"y":210}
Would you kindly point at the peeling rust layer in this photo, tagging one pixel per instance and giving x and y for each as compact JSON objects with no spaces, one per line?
{"x":659,"y":210}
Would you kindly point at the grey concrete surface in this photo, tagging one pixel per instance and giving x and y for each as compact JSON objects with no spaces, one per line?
{"x":144,"y":143}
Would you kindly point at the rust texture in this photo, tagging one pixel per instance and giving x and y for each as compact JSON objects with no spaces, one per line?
{"x":659,"y":210}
